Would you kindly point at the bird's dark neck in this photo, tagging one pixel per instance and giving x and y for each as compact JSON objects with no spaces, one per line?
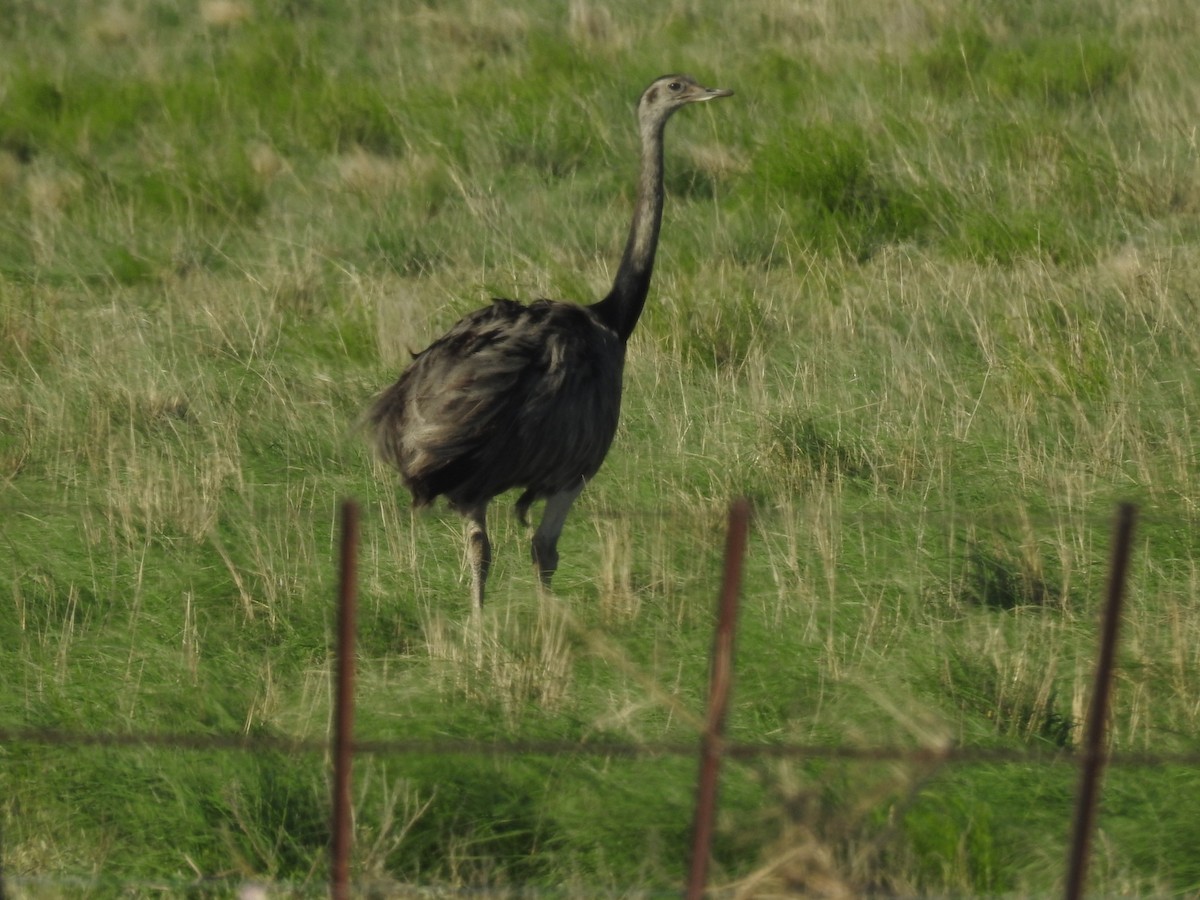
{"x":623,"y":305}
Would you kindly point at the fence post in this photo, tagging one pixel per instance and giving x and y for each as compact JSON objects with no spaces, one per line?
{"x":343,"y":733}
{"x":1093,"y":739}
{"x":720,"y":680}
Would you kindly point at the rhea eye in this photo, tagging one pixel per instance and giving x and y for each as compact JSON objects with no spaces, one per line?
{"x":675,"y":86}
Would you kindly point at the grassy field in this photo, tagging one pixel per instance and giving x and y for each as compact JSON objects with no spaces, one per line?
{"x":927,"y":294}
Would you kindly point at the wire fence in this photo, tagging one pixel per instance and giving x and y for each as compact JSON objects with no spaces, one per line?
{"x":341,"y":747}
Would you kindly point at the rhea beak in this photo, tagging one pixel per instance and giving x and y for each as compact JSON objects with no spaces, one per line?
{"x":713,"y":93}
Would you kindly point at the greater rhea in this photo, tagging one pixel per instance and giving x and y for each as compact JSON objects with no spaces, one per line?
{"x":517,"y":396}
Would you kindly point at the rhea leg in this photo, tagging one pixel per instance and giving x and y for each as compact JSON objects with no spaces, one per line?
{"x":479,"y":552}
{"x":545,"y":539}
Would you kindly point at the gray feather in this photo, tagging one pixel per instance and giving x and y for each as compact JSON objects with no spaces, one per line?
{"x":528,"y":397}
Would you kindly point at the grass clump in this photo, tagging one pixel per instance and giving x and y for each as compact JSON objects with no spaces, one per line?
{"x":835,"y":197}
{"x":1058,"y":69}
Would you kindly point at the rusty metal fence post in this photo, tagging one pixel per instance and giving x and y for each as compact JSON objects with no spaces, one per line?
{"x":1093,"y":738}
{"x":720,"y":681}
{"x":343,"y":726}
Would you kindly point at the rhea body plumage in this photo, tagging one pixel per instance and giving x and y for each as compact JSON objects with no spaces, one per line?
{"x":517,"y":396}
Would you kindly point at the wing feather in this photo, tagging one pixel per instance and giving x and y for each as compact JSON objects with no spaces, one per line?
{"x":511,"y":396}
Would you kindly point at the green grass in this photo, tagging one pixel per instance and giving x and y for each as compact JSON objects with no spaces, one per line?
{"x":926,"y":294}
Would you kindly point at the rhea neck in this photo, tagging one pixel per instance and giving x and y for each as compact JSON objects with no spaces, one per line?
{"x":623,"y":305}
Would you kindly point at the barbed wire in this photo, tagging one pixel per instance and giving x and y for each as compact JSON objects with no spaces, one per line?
{"x":948,"y":754}
{"x":930,"y":757}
